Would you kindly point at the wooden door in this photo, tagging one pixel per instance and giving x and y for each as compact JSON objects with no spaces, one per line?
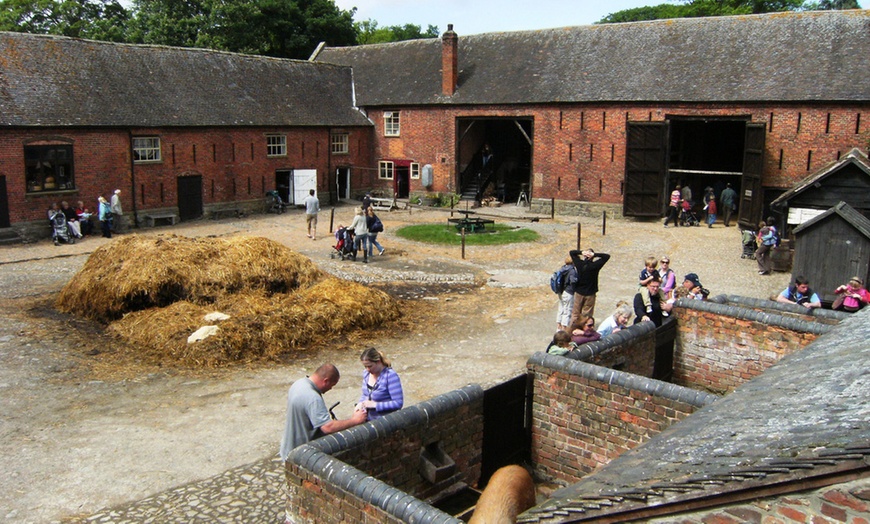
{"x":751,"y":194}
{"x":646,"y":161}
{"x":189,"y":197}
{"x":4,"y":203}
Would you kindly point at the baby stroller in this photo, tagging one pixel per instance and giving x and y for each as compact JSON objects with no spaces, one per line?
{"x":276,"y":204}
{"x":687,"y":217}
{"x":343,"y":243}
{"x":60,"y":231}
{"x":747,"y":239}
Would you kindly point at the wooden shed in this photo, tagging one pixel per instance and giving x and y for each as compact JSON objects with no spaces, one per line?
{"x":846,"y":180}
{"x":831,"y":248}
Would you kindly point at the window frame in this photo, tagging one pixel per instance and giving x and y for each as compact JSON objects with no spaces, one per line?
{"x":146,"y":153}
{"x":414,"y":169}
{"x":42,"y":161}
{"x":386,"y":170}
{"x":392,"y":123}
{"x":276,"y":145}
{"x":339,"y":144}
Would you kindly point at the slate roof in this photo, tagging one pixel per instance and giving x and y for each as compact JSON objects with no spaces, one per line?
{"x":855,"y":156}
{"x":59,"y":81}
{"x":806,"y":416}
{"x":811,"y":56}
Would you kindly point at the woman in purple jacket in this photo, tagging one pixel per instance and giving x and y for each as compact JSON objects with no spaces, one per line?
{"x":381,"y":387}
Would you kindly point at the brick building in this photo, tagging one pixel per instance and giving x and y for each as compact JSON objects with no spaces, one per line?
{"x":619,"y":113}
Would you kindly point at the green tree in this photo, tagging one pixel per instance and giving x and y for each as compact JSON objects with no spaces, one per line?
{"x":96,"y":19}
{"x":832,"y":5}
{"x":693,"y":8}
{"x":368,"y":32}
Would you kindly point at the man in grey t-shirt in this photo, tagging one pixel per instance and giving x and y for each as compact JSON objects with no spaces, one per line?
{"x":312,"y":207}
{"x":307,"y":416}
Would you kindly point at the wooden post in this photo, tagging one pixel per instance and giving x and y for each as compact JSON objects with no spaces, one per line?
{"x":463,"y":243}
{"x":552,"y":208}
{"x":331,"y":217}
{"x":603,"y":223}
{"x":579,"y":229}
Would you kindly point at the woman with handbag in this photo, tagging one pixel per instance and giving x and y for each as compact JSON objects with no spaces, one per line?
{"x":375,"y":226}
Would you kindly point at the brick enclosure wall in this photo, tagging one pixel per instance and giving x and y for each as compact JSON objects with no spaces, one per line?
{"x":719,"y":347}
{"x":343,"y":477}
{"x":632,"y":350}
{"x":579,"y":149}
{"x":232,"y":162}
{"x":584,"y":416}
{"x":845,"y":502}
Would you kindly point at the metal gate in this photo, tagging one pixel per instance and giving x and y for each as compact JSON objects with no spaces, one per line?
{"x":189,"y":197}
{"x":506,"y":428}
{"x":646,"y":161}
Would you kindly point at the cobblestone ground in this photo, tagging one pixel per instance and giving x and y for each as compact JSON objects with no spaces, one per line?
{"x":165,"y":447}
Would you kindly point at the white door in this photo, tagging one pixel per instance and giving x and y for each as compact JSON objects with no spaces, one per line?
{"x":303,"y":181}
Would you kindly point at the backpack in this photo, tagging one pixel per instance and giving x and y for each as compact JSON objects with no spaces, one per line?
{"x":377,"y":226}
{"x":559,"y":280}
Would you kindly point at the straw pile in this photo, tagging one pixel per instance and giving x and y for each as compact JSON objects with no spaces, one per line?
{"x":157,"y":291}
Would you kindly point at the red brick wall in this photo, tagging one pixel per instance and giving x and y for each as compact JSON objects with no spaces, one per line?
{"x":582,"y":422}
{"x":587,"y":142}
{"x":717,"y":352}
{"x":222,"y":156}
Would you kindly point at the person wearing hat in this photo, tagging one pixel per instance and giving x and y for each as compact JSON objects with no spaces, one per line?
{"x":852,"y":296}
{"x":693,"y":284}
{"x":366,"y":202}
{"x":800,"y":293}
{"x":117,"y":212}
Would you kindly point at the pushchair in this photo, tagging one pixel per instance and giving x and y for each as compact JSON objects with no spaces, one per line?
{"x":343,"y":243}
{"x":687,"y":217}
{"x":275,"y":202}
{"x":60,"y":231}
{"x":747,"y":239}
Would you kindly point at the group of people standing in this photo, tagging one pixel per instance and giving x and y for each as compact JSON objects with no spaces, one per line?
{"x":680,"y":205}
{"x":365,"y":225}
{"x":110,"y":214}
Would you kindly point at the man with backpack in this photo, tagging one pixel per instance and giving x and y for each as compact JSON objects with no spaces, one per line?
{"x":562,"y":283}
{"x":768,"y":240}
{"x":588,"y":264}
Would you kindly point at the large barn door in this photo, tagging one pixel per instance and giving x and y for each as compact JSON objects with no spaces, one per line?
{"x":646,"y":161}
{"x":303,"y":181}
{"x":751,"y":194}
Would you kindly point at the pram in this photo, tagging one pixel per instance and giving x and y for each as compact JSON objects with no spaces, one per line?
{"x":60,"y":231}
{"x":276,"y":204}
{"x":343,"y":243}
{"x":687,"y":217}
{"x":747,"y":239}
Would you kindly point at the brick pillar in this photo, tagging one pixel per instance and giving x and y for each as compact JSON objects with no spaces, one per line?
{"x":449,"y":61}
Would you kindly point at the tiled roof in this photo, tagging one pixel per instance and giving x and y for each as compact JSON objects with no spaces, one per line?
{"x":806,"y":416}
{"x":58,"y":81}
{"x":811,"y":56}
{"x":855,"y":156}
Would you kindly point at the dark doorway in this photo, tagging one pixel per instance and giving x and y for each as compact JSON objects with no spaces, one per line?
{"x":506,"y":436}
{"x":284,"y":184}
{"x":342,"y":182}
{"x":510,"y":166}
{"x":189,"y":197}
{"x":4,"y":203}
{"x":401,"y":181}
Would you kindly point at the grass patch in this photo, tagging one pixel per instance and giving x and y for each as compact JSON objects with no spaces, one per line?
{"x":448,"y":235}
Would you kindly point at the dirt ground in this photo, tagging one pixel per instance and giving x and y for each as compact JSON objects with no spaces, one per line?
{"x":83,"y":428}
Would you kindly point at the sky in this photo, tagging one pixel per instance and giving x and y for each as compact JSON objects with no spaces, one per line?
{"x":471,"y":17}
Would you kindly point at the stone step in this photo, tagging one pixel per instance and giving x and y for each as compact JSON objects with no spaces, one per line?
{"x":9,"y":236}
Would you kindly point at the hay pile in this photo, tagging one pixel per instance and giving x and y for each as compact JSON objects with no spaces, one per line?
{"x":157,"y":291}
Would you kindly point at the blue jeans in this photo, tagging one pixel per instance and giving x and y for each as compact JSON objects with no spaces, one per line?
{"x":361,"y":241}
{"x":373,"y":241}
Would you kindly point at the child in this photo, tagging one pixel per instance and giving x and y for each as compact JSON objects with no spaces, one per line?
{"x":561,"y":344}
{"x":646,"y":276}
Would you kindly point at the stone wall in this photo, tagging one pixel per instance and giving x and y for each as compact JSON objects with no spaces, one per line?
{"x":632,"y":350}
{"x":584,"y":416}
{"x":376,"y":472}
{"x":720,"y":346}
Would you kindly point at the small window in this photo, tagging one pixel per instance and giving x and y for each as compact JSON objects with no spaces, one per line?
{"x":339,"y":144}
{"x":415,"y":170}
{"x":146,"y":149}
{"x":386,"y":170}
{"x":391,"y":123}
{"x":49,"y":168}
{"x":276,"y":145}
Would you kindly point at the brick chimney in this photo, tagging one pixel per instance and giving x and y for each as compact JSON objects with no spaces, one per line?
{"x":449,"y":61}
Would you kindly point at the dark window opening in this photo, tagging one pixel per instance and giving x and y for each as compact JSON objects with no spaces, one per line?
{"x":706,"y":152}
{"x":49,"y":168}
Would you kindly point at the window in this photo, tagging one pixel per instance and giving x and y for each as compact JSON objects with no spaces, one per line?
{"x":276,"y":145}
{"x":391,"y":123}
{"x":415,"y":170}
{"x":386,"y":170}
{"x":339,"y":144}
{"x":146,"y":149}
{"x":49,"y":168}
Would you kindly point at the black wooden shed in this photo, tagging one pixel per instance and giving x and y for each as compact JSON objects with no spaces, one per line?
{"x":846,"y":180}
{"x":831,"y":248}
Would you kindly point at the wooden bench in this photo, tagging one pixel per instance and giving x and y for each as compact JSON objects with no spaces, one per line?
{"x":382,"y":204}
{"x":233,"y":212}
{"x":471,"y":225}
{"x":152,"y":218}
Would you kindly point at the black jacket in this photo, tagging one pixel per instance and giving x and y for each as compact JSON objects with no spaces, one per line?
{"x":587,"y":271}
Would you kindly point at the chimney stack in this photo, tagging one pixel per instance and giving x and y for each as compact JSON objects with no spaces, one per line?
{"x":449,"y":61}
